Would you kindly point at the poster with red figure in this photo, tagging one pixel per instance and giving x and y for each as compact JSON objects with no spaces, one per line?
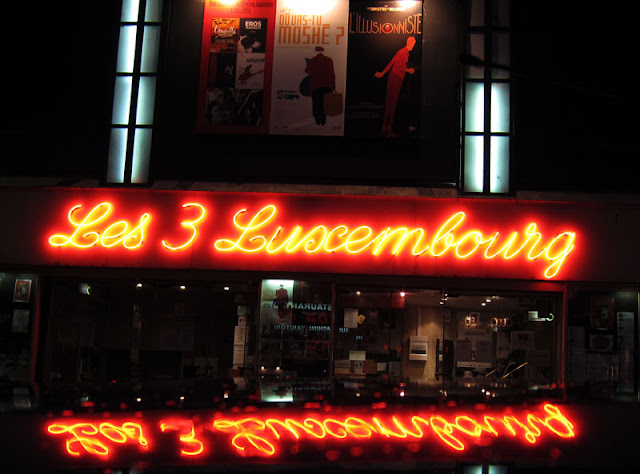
{"x":384,"y":69}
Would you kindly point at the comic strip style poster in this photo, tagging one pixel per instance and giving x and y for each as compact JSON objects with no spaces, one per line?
{"x":309,"y":64}
{"x":384,"y":69}
{"x":235,"y":72}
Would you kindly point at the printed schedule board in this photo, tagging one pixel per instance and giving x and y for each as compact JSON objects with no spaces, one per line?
{"x":291,"y":67}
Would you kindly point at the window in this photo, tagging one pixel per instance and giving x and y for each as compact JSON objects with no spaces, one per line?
{"x":135,"y":92}
{"x":18,"y":296}
{"x":601,"y":343}
{"x":147,"y":342}
{"x":486,"y":116}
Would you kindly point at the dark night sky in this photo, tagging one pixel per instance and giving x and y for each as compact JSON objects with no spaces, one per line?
{"x":572,"y":110}
{"x":60,"y":58}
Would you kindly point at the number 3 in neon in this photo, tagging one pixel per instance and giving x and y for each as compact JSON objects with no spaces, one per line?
{"x":189,"y":224}
{"x":188,"y":436}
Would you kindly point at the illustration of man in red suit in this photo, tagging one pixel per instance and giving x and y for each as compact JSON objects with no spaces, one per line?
{"x":322,"y":80}
{"x":397,"y":68}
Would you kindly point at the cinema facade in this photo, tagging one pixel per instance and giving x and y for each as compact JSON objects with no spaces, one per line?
{"x":259,"y":283}
{"x":166,"y":328}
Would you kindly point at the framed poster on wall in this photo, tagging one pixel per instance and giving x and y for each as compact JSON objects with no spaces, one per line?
{"x":277,"y":67}
{"x":235,"y":67}
{"x":601,"y":313}
{"x":310,"y":45}
{"x":384,"y":69}
{"x":22,"y":291}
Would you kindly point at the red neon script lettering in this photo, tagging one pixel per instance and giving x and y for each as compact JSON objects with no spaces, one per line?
{"x":188,"y":435}
{"x":263,"y":435}
{"x":269,"y":436}
{"x":94,"y":438}
{"x":92,"y":230}
{"x":259,"y":233}
{"x":189,"y":224}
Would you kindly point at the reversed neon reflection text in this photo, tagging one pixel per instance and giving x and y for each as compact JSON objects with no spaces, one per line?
{"x":268,"y":436}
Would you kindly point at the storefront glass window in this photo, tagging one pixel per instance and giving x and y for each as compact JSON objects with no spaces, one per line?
{"x":17,"y":321}
{"x":499,"y":346}
{"x":295,"y":340}
{"x":369,"y":347}
{"x":291,"y":341}
{"x":601,"y":343}
{"x":441,"y":344}
{"x":147,"y":343}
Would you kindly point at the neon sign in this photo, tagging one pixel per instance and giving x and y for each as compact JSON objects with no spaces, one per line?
{"x":191,"y":225}
{"x":447,"y":238}
{"x":192,"y":445}
{"x":93,"y":438}
{"x":262,"y":232}
{"x":266,"y":436}
{"x":87,"y":232}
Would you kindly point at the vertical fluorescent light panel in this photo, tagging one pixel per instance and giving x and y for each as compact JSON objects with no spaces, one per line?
{"x":124,"y":90}
{"x":121,"y":100}
{"x":500,"y":108}
{"x":499,"y":176}
{"x":130,"y":10}
{"x":500,"y":123}
{"x":153,"y":11}
{"x":126,"y":48}
{"x":117,"y":154}
{"x":498,"y":469}
{"x":150,"y":45}
{"x":488,"y":40}
{"x":146,"y":100}
{"x":473,"y":144}
{"x":116,"y":162}
{"x":141,"y":152}
{"x":474,"y":107}
{"x":473,"y":163}
{"x":477,"y":469}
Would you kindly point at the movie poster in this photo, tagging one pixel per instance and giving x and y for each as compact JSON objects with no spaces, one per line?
{"x":235,"y":73}
{"x":274,"y":301}
{"x":295,"y":326}
{"x":384,"y":69}
{"x":309,"y":64}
